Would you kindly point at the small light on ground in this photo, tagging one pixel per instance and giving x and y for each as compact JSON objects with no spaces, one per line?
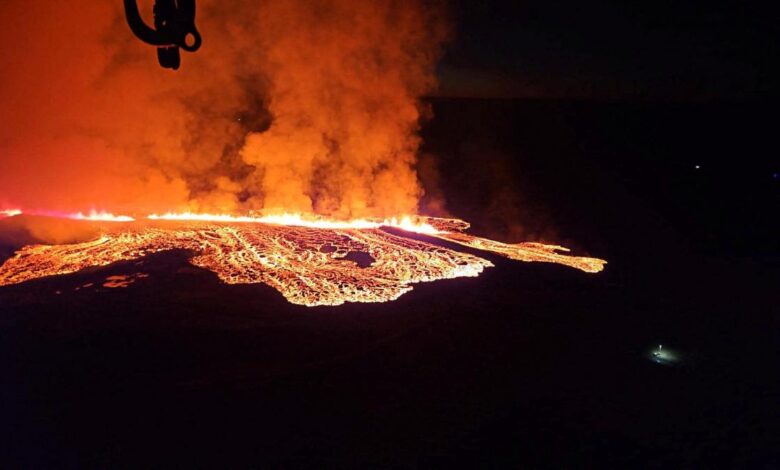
{"x":666,"y":357}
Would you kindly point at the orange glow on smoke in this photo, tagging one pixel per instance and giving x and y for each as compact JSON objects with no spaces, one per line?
{"x":307,"y":106}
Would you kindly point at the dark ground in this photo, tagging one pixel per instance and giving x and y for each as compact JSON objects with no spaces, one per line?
{"x":529,"y":365}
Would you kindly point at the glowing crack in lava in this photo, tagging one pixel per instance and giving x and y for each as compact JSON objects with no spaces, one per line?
{"x":310,"y":261}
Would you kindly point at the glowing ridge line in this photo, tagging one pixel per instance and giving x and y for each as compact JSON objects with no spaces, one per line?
{"x":296,"y":220}
{"x":93,"y":215}
{"x":10,"y":212}
{"x":101,"y":216}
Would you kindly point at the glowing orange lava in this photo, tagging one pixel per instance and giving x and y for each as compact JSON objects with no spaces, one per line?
{"x":311,"y":261}
{"x":10,"y":212}
{"x":101,"y":216}
{"x":93,"y":215}
{"x":297,"y":220}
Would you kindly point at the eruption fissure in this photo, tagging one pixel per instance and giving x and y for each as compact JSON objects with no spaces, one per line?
{"x":10,"y":212}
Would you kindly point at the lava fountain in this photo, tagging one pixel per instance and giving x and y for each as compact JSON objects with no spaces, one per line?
{"x":310,"y":261}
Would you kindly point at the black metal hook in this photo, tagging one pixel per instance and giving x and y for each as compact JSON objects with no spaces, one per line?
{"x":174,"y":28}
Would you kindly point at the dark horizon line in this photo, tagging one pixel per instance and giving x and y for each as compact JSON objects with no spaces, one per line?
{"x":644,"y":99}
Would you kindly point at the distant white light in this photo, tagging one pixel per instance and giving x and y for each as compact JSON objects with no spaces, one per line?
{"x":665,"y":357}
{"x":697,"y":167}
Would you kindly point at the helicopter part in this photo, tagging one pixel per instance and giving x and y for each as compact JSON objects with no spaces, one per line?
{"x":174,"y":29}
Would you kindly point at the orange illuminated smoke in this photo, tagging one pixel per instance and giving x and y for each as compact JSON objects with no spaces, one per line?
{"x":311,"y":261}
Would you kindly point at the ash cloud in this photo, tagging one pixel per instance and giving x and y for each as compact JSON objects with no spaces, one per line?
{"x":296,"y":105}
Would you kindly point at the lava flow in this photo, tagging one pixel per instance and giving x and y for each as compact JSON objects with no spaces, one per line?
{"x":310,"y":261}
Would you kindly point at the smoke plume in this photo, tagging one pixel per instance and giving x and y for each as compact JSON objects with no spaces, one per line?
{"x":291,"y":105}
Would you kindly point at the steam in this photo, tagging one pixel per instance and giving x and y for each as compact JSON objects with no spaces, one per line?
{"x":291,"y":105}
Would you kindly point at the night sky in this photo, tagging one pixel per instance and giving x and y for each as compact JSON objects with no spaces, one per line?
{"x":692,"y":50}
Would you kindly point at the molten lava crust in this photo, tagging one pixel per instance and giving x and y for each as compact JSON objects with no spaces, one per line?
{"x":310,"y":265}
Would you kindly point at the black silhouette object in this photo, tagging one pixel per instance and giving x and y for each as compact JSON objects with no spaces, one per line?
{"x":174,"y":28}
